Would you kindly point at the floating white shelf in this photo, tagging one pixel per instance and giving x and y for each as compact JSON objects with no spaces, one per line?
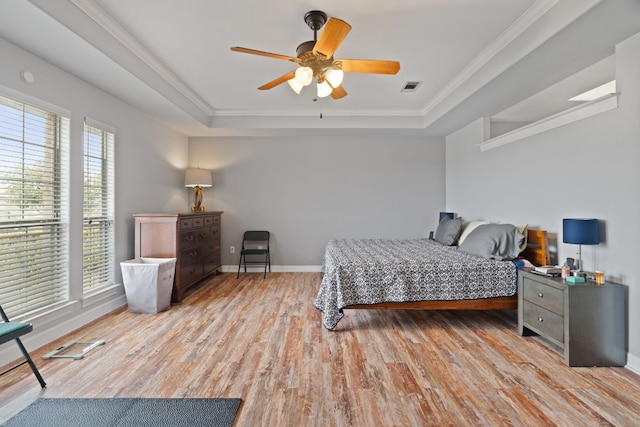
{"x":579,"y":112}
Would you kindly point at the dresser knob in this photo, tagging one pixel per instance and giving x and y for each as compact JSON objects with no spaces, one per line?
{"x":540,"y":294}
{"x":540,"y":319}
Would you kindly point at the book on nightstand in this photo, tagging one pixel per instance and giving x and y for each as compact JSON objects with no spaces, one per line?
{"x":548,"y":270}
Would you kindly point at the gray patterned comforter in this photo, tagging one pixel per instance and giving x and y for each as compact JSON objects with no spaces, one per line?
{"x":371,"y":271}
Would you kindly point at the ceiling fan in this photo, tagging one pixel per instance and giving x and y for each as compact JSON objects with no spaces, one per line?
{"x":315,"y":59}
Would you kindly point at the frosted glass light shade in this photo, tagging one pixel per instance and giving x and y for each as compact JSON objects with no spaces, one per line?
{"x":334,"y":77}
{"x":295,"y":85}
{"x":324,"y":89}
{"x":197,"y":177}
{"x":304,"y":75}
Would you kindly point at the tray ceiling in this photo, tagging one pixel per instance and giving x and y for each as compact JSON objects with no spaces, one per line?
{"x":173,"y":59}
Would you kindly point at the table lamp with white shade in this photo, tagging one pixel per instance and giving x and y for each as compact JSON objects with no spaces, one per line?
{"x":197,"y":178}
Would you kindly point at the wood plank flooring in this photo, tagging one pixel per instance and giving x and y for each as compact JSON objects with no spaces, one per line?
{"x":262,"y":340}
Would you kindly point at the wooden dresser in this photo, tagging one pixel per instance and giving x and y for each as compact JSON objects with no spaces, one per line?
{"x":192,"y":238}
{"x":586,"y":320}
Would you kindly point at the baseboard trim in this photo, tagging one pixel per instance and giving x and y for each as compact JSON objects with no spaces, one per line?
{"x":276,"y":269}
{"x":633,"y":363}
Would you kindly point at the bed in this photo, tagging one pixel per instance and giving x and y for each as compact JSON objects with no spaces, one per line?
{"x":419,"y":274}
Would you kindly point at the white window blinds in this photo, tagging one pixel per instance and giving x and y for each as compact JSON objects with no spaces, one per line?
{"x":98,"y":251}
{"x":33,"y":207}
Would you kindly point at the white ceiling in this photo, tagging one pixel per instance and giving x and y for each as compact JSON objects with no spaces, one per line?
{"x":172,"y":58}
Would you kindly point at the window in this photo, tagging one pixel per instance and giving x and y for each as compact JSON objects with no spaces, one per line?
{"x":33,"y":207}
{"x":98,"y":252}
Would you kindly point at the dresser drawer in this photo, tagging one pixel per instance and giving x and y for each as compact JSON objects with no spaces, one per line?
{"x":211,"y":261}
{"x":188,"y":240}
{"x":545,"y":321}
{"x":544,"y":295}
{"x":198,"y":221}
{"x":189,"y":274}
{"x":205,"y":235}
{"x":190,"y":256}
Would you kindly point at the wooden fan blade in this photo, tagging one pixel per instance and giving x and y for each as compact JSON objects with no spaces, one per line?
{"x":371,"y":66}
{"x":333,"y":33}
{"x":279,"y":80}
{"x":261,"y":53}
{"x":338,"y":92}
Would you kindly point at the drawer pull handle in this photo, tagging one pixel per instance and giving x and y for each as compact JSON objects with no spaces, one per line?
{"x":540,"y":319}
{"x":540,"y":294}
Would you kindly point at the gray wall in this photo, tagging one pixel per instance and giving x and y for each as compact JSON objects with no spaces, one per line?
{"x":307,"y":190}
{"x":150,"y":160}
{"x":585,"y":169}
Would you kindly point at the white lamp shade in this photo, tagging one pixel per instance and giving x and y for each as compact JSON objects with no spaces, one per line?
{"x":295,"y":85}
{"x":324,"y":89}
{"x":304,"y":75}
{"x":334,"y":77}
{"x":197,"y":177}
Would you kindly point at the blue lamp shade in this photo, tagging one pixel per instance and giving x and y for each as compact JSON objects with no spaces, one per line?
{"x":580,"y":231}
{"x":451,"y":215}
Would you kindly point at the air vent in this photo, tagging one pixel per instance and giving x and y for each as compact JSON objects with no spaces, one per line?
{"x":411,"y":86}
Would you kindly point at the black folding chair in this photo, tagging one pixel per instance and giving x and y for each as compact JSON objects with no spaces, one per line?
{"x":255,"y":243}
{"x":13,"y":331}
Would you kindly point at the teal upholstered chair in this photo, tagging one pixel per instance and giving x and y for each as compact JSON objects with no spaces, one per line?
{"x":10,"y":331}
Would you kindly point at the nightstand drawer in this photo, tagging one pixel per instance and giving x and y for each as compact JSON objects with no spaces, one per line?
{"x":545,"y":321}
{"x":544,"y":295}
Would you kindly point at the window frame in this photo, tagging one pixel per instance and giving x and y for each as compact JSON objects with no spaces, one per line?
{"x":34,"y":242}
{"x":98,"y":224}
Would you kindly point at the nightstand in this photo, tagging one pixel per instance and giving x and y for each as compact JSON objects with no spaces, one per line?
{"x":586,"y":320}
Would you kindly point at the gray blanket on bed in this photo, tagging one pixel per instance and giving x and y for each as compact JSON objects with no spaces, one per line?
{"x":377,"y":270}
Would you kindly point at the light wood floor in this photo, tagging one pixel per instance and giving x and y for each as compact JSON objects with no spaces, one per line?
{"x":262,"y":340}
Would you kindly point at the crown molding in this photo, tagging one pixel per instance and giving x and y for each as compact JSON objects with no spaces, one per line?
{"x":122,"y":36}
{"x":298,"y":113}
{"x":298,"y":120}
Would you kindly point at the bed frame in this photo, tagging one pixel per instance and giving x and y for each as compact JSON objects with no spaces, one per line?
{"x":537,"y":251}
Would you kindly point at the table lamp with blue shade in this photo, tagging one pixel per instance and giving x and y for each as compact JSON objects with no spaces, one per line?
{"x":580,"y":231}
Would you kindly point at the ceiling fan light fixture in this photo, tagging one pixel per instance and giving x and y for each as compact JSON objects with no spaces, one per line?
{"x":334,"y":77}
{"x":304,"y":75}
{"x":295,"y":85}
{"x":324,"y":89}
{"x":315,"y":59}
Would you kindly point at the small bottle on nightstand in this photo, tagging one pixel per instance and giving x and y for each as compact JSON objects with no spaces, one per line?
{"x":565,"y":272}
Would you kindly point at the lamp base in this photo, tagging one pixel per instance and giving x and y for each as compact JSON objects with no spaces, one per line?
{"x":197,"y":200}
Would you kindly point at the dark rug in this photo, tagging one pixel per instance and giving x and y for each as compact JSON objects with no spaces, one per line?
{"x":120,"y":412}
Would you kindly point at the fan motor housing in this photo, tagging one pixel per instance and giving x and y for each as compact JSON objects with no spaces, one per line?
{"x":305,"y":47}
{"x":309,"y":58}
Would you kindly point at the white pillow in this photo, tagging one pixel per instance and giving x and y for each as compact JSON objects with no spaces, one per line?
{"x":468,"y":227}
